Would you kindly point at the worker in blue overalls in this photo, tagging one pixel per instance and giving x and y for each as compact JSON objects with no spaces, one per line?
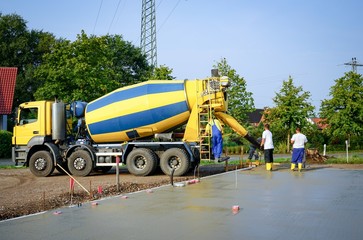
{"x":217,"y":139}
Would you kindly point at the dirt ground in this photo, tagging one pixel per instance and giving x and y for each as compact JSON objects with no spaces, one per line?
{"x":22,"y":193}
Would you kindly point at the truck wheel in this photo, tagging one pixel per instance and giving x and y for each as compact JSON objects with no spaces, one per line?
{"x":80,"y":163}
{"x":141,"y":162}
{"x":41,"y":164}
{"x":175,"y":158}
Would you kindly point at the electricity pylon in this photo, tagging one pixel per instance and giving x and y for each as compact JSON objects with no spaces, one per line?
{"x":148,"y":31}
{"x":354,"y":64}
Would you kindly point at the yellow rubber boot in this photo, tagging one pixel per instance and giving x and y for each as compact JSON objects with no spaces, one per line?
{"x":299,"y":166}
{"x":293,"y":165}
{"x":269,"y":166}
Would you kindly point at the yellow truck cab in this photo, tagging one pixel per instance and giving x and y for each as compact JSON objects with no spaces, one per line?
{"x":33,"y":120}
{"x":32,"y":140}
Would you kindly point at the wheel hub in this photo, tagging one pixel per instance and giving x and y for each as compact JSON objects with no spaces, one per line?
{"x":140,"y":163}
{"x":174,"y":162}
{"x":40,"y":164}
{"x":79,"y":163}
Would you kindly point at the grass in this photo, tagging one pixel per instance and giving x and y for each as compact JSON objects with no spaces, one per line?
{"x":351,"y":160}
{"x":11,"y":167}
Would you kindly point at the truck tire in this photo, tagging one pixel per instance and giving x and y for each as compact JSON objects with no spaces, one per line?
{"x":141,"y":162}
{"x":41,"y":164}
{"x":80,"y":163}
{"x":175,"y":158}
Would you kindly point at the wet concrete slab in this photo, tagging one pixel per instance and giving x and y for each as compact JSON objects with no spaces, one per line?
{"x":317,"y":204}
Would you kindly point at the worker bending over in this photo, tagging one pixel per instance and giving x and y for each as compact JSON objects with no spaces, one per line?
{"x":217,"y":139}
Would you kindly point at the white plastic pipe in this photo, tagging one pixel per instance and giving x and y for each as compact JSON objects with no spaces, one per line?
{"x":324,"y":153}
{"x":346,"y":147}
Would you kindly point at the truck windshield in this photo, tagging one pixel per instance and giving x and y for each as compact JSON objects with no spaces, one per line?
{"x":28,"y":115}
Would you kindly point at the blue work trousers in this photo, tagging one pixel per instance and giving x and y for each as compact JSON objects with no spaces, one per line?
{"x":297,"y":155}
{"x":217,"y":142}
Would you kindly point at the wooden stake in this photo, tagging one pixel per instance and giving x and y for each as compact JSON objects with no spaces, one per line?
{"x":43,"y":200}
{"x":90,"y":188}
{"x":73,"y":178}
{"x":118,"y":173}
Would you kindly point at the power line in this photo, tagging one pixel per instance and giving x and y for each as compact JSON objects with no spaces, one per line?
{"x":98,"y":14}
{"x":157,"y":6}
{"x":114,"y":15}
{"x":167,"y":18}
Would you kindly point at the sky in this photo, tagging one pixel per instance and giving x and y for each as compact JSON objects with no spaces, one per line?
{"x":264,"y":41}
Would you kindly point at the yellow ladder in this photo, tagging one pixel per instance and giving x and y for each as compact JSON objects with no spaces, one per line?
{"x":204,"y":118}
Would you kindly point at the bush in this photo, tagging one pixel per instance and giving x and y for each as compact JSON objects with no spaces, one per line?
{"x":228,"y":149}
{"x":232,"y":150}
{"x":5,"y":144}
{"x":280,"y":147}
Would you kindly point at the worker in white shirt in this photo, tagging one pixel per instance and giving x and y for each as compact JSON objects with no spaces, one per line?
{"x":298,"y":149}
{"x":268,"y":147}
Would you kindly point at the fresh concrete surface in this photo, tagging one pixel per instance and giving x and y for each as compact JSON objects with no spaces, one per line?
{"x":316,"y":204}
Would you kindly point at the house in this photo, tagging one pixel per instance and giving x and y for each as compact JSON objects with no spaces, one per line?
{"x":255,"y":117}
{"x":318,"y":122}
{"x":7,"y":87}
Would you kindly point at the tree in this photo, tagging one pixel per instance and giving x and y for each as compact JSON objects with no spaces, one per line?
{"x":162,"y":73}
{"x":344,"y":111}
{"x":240,"y":101}
{"x":23,"y":49}
{"x":90,"y":67}
{"x":292,"y":109}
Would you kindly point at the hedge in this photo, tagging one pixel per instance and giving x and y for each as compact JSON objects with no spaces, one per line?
{"x":5,"y":144}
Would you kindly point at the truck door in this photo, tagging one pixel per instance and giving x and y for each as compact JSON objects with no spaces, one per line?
{"x":28,"y":125}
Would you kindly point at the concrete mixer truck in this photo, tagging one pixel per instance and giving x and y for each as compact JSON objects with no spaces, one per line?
{"x":157,"y":123}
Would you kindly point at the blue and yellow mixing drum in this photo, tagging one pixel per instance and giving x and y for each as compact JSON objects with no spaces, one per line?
{"x":139,"y":110}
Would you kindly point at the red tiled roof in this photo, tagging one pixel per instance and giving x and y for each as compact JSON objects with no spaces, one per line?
{"x":319,"y":123}
{"x":7,"y":87}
